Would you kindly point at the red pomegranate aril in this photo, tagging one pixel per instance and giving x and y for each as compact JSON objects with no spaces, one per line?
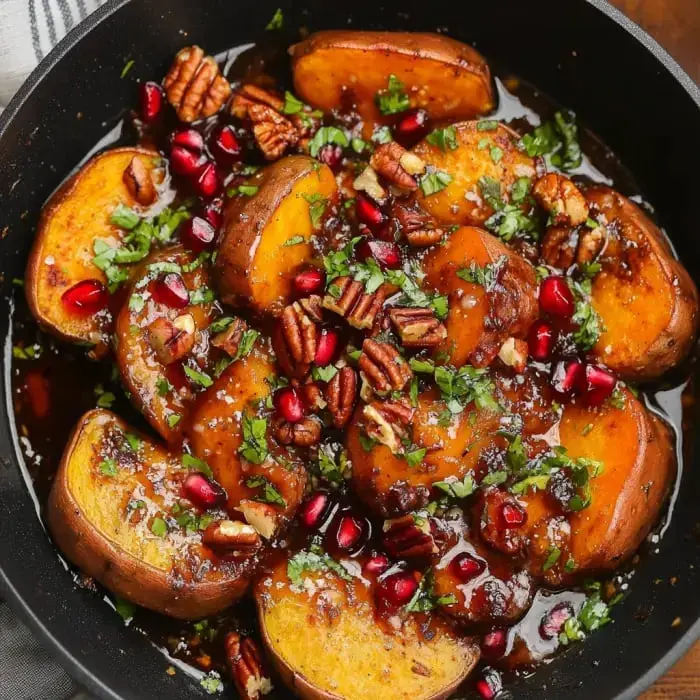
{"x":349,"y":532}
{"x":567,"y":376}
{"x":327,"y":347}
{"x":490,"y":685}
{"x":289,"y":404}
{"x":597,"y":384}
{"x":207,"y":181}
{"x":413,"y":124}
{"x":512,"y":515}
{"x":312,"y":512}
{"x":185,"y":162}
{"x":377,"y":565}
{"x":332,"y":156}
{"x":213,"y":212}
{"x":467,"y":567}
{"x":540,"y":341}
{"x":190,"y":139}
{"x":485,"y":690}
{"x":556,"y":298}
{"x":397,"y":589}
{"x":387,"y":255}
{"x":203,"y":493}
{"x":86,"y":298}
{"x":309,"y":281}
{"x":151,"y":101}
{"x":368,"y":212}
{"x":493,"y":645}
{"x":553,"y":622}
{"x":225,"y":146}
{"x":197,"y":234}
{"x":171,"y":291}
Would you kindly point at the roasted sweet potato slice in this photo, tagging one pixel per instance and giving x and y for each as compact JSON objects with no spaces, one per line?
{"x":340,"y":70}
{"x":111,"y":513}
{"x":346,"y":653}
{"x":157,"y":383}
{"x":485,"y":312}
{"x":266,"y":237}
{"x":480,"y":153}
{"x":78,"y":214}
{"x":646,"y":299}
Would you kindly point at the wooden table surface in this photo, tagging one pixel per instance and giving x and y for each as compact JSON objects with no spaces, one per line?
{"x":675,"y":24}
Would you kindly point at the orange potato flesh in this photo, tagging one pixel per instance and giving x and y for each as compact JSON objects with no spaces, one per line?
{"x":102,"y":522}
{"x":71,"y":221}
{"x":341,"y":69}
{"x":345,"y":652}
{"x":649,"y":304}
{"x":479,"y":321}
{"x":254,"y":267}
{"x":141,"y":370}
{"x":461,"y":201}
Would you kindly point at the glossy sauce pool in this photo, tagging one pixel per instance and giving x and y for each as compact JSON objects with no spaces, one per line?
{"x":54,"y":384}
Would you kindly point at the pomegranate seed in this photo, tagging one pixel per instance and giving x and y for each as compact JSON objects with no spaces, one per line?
{"x":490,"y":685}
{"x":597,"y":385}
{"x":310,"y":281}
{"x":348,"y":532}
{"x":171,"y":291}
{"x":554,"y":620}
{"x":197,"y":233}
{"x":203,"y":493}
{"x":485,"y":689}
{"x":213,"y":212}
{"x":413,"y":124}
{"x":185,"y":162}
{"x":388,"y":255}
{"x":312,"y":512}
{"x":86,"y":298}
{"x":289,"y":404}
{"x":368,"y":212}
{"x":207,"y":181}
{"x":225,"y":146}
{"x":556,"y":297}
{"x":493,"y":645}
{"x":540,"y":341}
{"x":512,"y":515}
{"x":332,"y":156}
{"x":397,"y":589}
{"x":327,"y":347}
{"x":466,"y":567}
{"x":151,"y":101}
{"x":567,"y":376}
{"x":376,"y":565}
{"x":190,"y":139}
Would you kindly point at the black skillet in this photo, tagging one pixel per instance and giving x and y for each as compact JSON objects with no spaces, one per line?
{"x":586,"y":54}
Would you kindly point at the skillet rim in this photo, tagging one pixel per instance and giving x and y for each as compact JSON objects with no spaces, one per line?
{"x":13,"y":597}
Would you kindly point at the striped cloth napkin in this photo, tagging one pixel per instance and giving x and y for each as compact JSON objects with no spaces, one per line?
{"x":28,"y":31}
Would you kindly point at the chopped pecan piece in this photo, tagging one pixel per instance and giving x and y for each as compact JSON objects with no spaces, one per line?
{"x":591,"y":244}
{"x":139,"y":182}
{"x":562,"y":199}
{"x":229,"y":340}
{"x":349,"y":300}
{"x":384,"y":367}
{"x":232,"y":536}
{"x":194,"y":85}
{"x":266,"y":519}
{"x":387,"y":422}
{"x":399,"y":166}
{"x":368,"y":183}
{"x":172,"y":340}
{"x":311,"y":393}
{"x":342,"y":392}
{"x":299,"y":328}
{"x":514,"y":354}
{"x":418,"y":227}
{"x":249,"y":95}
{"x":418,"y":328}
{"x":247,"y":670}
{"x":305,"y":433}
{"x":409,"y":537}
{"x":559,"y":247}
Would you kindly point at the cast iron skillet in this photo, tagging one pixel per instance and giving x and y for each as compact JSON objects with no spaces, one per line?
{"x":585,"y":54}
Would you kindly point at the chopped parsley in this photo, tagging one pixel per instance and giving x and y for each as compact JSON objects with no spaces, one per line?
{"x":425,"y":600}
{"x":124,"y":609}
{"x":393,"y":99}
{"x":277,"y":21}
{"x":412,"y":295}
{"x":105,"y":399}
{"x":163,"y":386}
{"x":134,"y":441}
{"x":594,"y":614}
{"x":324,"y":374}
{"x":487,"y":125}
{"x":294,"y":240}
{"x":245,"y":346}
{"x":194,"y":463}
{"x":202,"y":295}
{"x":456,"y":489}
{"x":460,"y":387}
{"x":159,"y":527}
{"x":381,"y":134}
{"x":108,"y":467}
{"x":434,"y":181}
{"x":415,"y":457}
{"x":332,"y":466}
{"x":552,"y":558}
{"x":254,"y":446}
{"x":327,"y":135}
{"x":317,"y":208}
{"x":590,"y":325}
{"x":445,"y":139}
{"x":269,"y":493}
{"x":487,"y":276}
{"x":313,"y":560}
{"x":173,"y":419}
{"x":557,"y":141}
{"x":212,"y":681}
{"x":200,"y":378}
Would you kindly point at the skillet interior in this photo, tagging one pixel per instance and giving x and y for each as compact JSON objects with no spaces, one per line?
{"x":590,"y":63}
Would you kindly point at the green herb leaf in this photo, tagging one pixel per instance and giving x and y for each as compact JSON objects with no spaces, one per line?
{"x":159,"y":527}
{"x":324,"y":374}
{"x":445,"y":139}
{"x":434,"y":182}
{"x":487,"y":276}
{"x":382,"y":134}
{"x":487,"y":125}
{"x":294,"y":240}
{"x":173,"y":419}
{"x":202,"y":295}
{"x":124,"y":609}
{"x":196,"y":464}
{"x":317,"y":207}
{"x":326,"y":135}
{"x":552,"y":558}
{"x":127,"y":67}
{"x":292,"y":105}
{"x":277,"y":21}
{"x":124,"y":217}
{"x":199,"y":377}
{"x":108,"y":467}
{"x":557,"y":141}
{"x":454,"y":488}
{"x":163,"y":386}
{"x":269,"y":494}
{"x":212,"y":681}
{"x":220,"y":325}
{"x":254,"y":446}
{"x":245,"y":346}
{"x":415,"y":457}
{"x":464,"y":386}
{"x":393,"y":99}
{"x":134,"y":441}
{"x":422,"y":366}
{"x":306,"y":561}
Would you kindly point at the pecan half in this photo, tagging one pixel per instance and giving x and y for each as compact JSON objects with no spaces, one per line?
{"x":562,"y":199}
{"x":399,"y":166}
{"x":384,"y":367}
{"x":349,"y":300}
{"x":229,"y":339}
{"x":232,"y":536}
{"x":342,"y":392}
{"x":299,"y":328}
{"x":409,"y":537}
{"x":246,"y":665}
{"x":387,"y":422}
{"x":559,"y":247}
{"x":194,"y":85}
{"x":139,"y":182}
{"x":305,"y":433}
{"x":172,"y":340}
{"x":266,"y":519}
{"x":418,"y":227}
{"x":418,"y":328}
{"x":513,"y":353}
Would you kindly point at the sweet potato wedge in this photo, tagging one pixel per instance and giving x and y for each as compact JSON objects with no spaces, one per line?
{"x":646,"y":299}
{"x":160,"y":391}
{"x":346,"y":653}
{"x":337,"y":70}
{"x":266,"y":237}
{"x":481,"y":317}
{"x":480,"y":153}
{"x":110,"y":513}
{"x":75,"y":216}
